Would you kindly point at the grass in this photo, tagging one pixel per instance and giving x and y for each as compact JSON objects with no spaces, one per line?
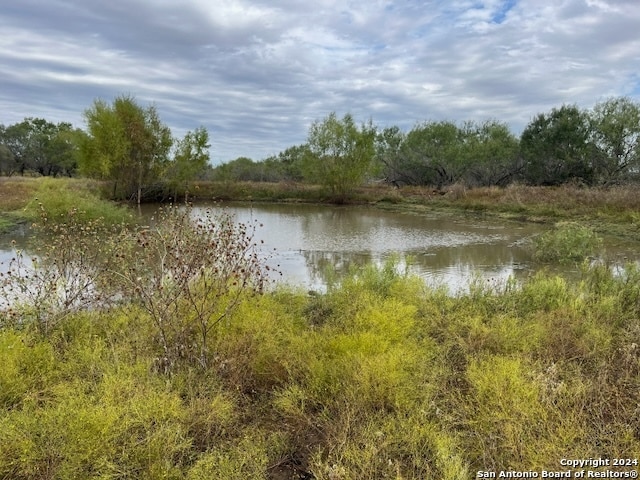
{"x":380,"y":377}
{"x":15,"y":194}
{"x":25,"y":199}
{"x":567,"y":243}
{"x":56,"y":198}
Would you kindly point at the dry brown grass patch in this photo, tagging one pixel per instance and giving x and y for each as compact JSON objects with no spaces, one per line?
{"x":16,"y":192}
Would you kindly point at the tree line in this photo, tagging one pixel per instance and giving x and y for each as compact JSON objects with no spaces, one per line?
{"x":600,"y":146}
{"x":130,"y":146}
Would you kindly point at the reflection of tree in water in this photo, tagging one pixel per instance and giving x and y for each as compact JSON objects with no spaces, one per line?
{"x":340,"y":227}
{"x":323,"y":267}
{"x":473,"y":256}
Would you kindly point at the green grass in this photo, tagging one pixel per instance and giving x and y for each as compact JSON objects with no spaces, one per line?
{"x":6,"y":223}
{"x":26,"y":199}
{"x":57,"y":198}
{"x":381,"y":377}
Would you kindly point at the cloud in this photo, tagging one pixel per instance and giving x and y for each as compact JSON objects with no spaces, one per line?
{"x":257,"y":73}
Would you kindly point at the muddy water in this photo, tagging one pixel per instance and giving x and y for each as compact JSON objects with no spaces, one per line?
{"x":306,"y":240}
{"x":447,"y":250}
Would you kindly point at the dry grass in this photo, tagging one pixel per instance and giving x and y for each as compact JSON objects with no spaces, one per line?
{"x":258,"y":191}
{"x":15,"y":192}
{"x":619,"y":205}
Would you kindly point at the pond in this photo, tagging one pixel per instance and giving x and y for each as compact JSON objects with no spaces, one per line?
{"x":306,"y":241}
{"x":443,"y":249}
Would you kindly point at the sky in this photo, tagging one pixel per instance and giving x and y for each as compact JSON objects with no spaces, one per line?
{"x":257,"y":73}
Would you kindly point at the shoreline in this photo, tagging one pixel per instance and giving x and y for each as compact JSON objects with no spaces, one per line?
{"x":614,"y":210}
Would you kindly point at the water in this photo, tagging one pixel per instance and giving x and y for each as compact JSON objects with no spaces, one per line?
{"x":449,"y":250}
{"x":304,"y":241}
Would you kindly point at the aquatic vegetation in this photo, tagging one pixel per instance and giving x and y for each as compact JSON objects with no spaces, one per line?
{"x":566,"y":243}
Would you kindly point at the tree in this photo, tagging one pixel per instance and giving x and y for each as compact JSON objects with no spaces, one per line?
{"x":339,"y":153}
{"x":489,"y":153}
{"x":190,"y":160}
{"x":126,"y":144}
{"x":16,"y":138}
{"x":41,"y":146}
{"x":427,"y":155}
{"x":389,"y":157}
{"x":7,"y":161}
{"x":616,"y":132}
{"x":288,"y":164}
{"x":556,"y":147}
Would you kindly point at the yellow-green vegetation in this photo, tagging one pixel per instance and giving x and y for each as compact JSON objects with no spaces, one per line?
{"x":57,"y":197}
{"x":566,"y":243}
{"x":380,"y":377}
{"x":26,"y":199}
{"x":15,"y":193}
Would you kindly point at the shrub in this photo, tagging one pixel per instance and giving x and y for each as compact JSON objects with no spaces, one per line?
{"x":189,"y":275}
{"x":73,"y":259}
{"x":566,"y":243}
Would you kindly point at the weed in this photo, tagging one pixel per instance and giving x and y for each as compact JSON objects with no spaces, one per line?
{"x":566,"y":243}
{"x":189,"y":275}
{"x":380,"y":377}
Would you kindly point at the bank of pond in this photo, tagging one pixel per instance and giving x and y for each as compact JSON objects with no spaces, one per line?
{"x":381,"y":376}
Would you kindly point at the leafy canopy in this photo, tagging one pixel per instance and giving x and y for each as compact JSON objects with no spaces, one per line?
{"x":339,"y":153}
{"x":126,"y":143}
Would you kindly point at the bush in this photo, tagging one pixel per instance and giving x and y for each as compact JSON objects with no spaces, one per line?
{"x":73,"y":260}
{"x":566,"y":243}
{"x":188,"y":275}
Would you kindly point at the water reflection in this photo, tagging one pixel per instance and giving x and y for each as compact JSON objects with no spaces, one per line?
{"x":311,"y":241}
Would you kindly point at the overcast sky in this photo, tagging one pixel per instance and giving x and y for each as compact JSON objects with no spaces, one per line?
{"x":256,"y":73}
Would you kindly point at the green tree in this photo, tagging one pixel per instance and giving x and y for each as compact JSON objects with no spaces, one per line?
{"x":190,"y":160}
{"x":16,"y":138}
{"x":490,"y":154}
{"x":288,"y":164}
{"x":556,"y":147}
{"x":616,"y":132}
{"x":339,"y":153}
{"x":388,"y":147}
{"x":241,"y":169}
{"x":126,"y":144}
{"x":428,"y":155}
{"x":41,"y":146}
{"x":7,"y":161}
